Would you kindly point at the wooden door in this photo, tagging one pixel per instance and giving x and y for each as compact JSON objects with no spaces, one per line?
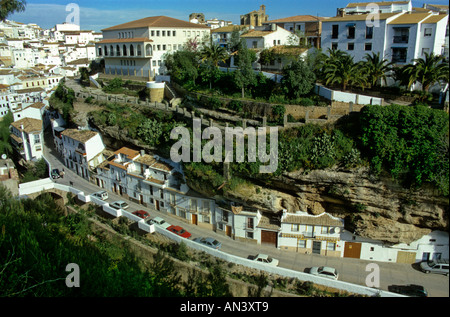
{"x":157,"y":205}
{"x":194,"y":219}
{"x":228,"y":231}
{"x":269,"y":237}
{"x":352,"y":250}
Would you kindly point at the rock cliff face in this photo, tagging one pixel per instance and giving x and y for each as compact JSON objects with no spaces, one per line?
{"x":376,"y":208}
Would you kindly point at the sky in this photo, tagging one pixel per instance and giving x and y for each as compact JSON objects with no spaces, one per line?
{"x":97,"y":15}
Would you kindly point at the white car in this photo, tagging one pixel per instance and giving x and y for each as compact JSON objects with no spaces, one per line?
{"x":101,"y":195}
{"x":324,"y":271}
{"x":160,"y":221}
{"x":119,"y":205}
{"x":264,"y":258}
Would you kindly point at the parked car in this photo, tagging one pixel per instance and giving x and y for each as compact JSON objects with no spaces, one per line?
{"x":179,"y":231}
{"x":119,"y":205}
{"x":159,"y":221}
{"x":141,"y":214}
{"x":55,"y":173}
{"x":103,"y":195}
{"x":324,"y":271}
{"x":435,"y":266}
{"x":264,"y":258}
{"x":209,"y":242}
{"x":409,"y":290}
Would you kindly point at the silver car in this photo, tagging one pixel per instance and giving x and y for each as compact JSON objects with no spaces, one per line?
{"x":435,"y":266}
{"x":324,"y":271}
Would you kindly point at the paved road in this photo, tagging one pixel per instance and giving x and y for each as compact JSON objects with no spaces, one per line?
{"x":350,"y":270}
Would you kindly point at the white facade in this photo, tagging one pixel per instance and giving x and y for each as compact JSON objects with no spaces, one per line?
{"x":27,"y":137}
{"x":82,"y":150}
{"x":137,"y":48}
{"x":399,"y":37}
{"x":267,"y":37}
{"x":380,"y":7}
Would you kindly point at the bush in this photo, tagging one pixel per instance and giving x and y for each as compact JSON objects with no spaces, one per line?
{"x":235,"y":105}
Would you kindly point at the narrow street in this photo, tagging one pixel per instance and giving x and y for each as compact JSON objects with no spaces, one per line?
{"x":350,"y":270}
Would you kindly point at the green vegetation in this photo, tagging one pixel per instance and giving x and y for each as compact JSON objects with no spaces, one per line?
{"x":35,"y":171}
{"x":5,"y":122}
{"x":62,"y":100}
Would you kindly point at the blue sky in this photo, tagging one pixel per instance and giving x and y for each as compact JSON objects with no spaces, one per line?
{"x":96,"y":15}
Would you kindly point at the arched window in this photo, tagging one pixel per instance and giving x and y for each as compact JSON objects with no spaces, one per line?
{"x":118,"y":50}
{"x":148,"y":50}
{"x":139,"y":50}
{"x":106,"y":50}
{"x":99,"y":51}
{"x":131,"y":50}
{"x":124,"y":51}
{"x":111,"y":50}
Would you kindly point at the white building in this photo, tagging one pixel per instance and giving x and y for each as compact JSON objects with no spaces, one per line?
{"x":267,"y":37}
{"x":137,"y":48}
{"x":311,"y":234}
{"x":27,"y":137}
{"x":398,"y":37}
{"x":82,"y":150}
{"x":222,"y":36}
{"x":378,"y":7}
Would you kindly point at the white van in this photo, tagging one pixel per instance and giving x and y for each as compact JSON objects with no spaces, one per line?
{"x":101,"y":195}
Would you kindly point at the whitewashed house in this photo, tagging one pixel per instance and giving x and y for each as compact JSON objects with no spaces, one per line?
{"x":311,"y":234}
{"x":399,"y":37}
{"x":137,"y":48}
{"x":27,"y":137}
{"x":267,"y":36}
{"x":82,"y":150}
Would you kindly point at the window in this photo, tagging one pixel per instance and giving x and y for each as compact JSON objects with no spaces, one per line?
{"x":163,"y":33}
{"x":334,"y":46}
{"x":369,"y":32}
{"x":399,"y":54}
{"x":368,"y":46}
{"x":331,"y":246}
{"x":250,"y":223}
{"x":325,"y":230}
{"x":427,"y":32}
{"x":174,"y":33}
{"x":302,"y":243}
{"x":249,"y":235}
{"x":157,"y":33}
{"x":295,"y":228}
{"x":335,"y":31}
{"x":153,"y":33}
{"x":351,"y":32}
{"x":350,"y":46}
{"x":425,"y":50}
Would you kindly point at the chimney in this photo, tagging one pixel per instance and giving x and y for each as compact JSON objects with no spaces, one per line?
{"x":142,"y":152}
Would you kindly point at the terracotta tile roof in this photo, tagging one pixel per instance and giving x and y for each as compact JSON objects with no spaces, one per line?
{"x":256,"y":33}
{"x":79,"y":135}
{"x":131,"y":154}
{"x":323,"y":219}
{"x":30,"y":125}
{"x":410,"y":18}
{"x":156,"y":21}
{"x":229,"y":28}
{"x":435,"y":18}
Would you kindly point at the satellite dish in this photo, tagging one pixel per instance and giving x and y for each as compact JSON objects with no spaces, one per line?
{"x":4,"y":156}
{"x":337,"y":230}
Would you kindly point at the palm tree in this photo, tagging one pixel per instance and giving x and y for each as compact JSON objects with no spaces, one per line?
{"x":376,"y":69}
{"x":339,"y":68}
{"x":427,"y":71}
{"x":8,"y":7}
{"x":212,"y":55}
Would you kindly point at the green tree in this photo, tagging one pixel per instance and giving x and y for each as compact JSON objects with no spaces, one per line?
{"x":376,"y":69}
{"x":183,"y":65}
{"x":298,"y":79}
{"x":340,"y":68}
{"x":150,"y":131}
{"x":211,"y":55}
{"x":427,"y":71}
{"x":8,"y":7}
{"x":5,"y":144}
{"x":244,"y":76}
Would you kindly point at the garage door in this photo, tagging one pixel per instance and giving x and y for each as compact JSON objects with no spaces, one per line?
{"x":269,"y":237}
{"x":406,"y":257}
{"x":352,"y":250}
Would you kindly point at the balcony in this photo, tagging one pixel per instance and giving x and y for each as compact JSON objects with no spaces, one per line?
{"x":401,"y":39}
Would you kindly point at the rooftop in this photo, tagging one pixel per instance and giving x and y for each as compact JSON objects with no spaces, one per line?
{"x":384,"y":3}
{"x":297,"y":18}
{"x":410,"y":18}
{"x":360,"y":17}
{"x":156,"y":22}
{"x":28,"y":125}
{"x":323,"y":219}
{"x":79,"y":135}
